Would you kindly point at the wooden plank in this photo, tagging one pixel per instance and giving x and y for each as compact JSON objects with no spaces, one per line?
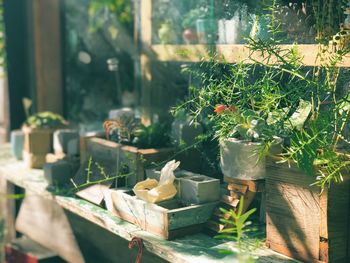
{"x":230,"y":201}
{"x":181,"y":53}
{"x":157,"y":219}
{"x":238,"y":188}
{"x":47,"y":55}
{"x":146,"y":22}
{"x":253,"y":186}
{"x":231,"y":53}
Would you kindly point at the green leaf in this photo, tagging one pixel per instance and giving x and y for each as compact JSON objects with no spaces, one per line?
{"x":299,"y":117}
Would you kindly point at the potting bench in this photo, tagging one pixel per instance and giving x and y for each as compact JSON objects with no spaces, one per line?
{"x":195,"y":248}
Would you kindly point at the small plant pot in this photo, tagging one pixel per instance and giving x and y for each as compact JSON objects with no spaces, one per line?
{"x":37,"y":143}
{"x":62,"y":138}
{"x":166,"y":34}
{"x":37,"y":140}
{"x":189,"y":36}
{"x":240,"y":160}
{"x":17,"y":140}
{"x":206,"y":31}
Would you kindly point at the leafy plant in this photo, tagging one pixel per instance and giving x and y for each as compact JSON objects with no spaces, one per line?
{"x":100,"y":10}
{"x":153,"y":136}
{"x":272,"y":93}
{"x":190,"y":18}
{"x":239,"y":229}
{"x":128,"y":130}
{"x":45,"y":119}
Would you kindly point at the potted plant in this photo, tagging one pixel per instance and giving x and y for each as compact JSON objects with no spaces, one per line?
{"x":189,"y":34}
{"x":166,"y":33}
{"x":130,"y":146}
{"x":38,"y":133}
{"x":307,"y":186}
{"x":239,"y":151}
{"x":235,"y":24}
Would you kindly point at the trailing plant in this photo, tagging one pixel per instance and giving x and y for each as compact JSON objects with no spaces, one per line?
{"x":272,"y":93}
{"x":45,"y":119}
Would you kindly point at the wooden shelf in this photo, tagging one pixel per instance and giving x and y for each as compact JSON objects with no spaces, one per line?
{"x":228,"y":53}
{"x":192,"y":249}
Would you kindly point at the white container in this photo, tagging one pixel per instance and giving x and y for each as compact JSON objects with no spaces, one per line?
{"x":239,"y":160}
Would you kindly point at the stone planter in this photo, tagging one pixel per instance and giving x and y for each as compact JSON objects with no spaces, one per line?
{"x":192,"y":188}
{"x":62,"y":138}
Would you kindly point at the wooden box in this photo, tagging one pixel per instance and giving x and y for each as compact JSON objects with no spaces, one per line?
{"x":125,"y":159}
{"x":168,"y":220}
{"x":301,"y":222}
{"x":24,"y":250}
{"x":37,"y":141}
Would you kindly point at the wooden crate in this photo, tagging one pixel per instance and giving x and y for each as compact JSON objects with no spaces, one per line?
{"x":123,"y":157}
{"x":301,"y":222}
{"x":37,"y":141}
{"x":168,"y":220}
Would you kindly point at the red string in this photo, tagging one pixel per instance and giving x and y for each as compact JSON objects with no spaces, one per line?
{"x":135,"y":241}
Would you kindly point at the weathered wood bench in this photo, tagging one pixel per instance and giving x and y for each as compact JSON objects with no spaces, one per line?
{"x":194,"y":248}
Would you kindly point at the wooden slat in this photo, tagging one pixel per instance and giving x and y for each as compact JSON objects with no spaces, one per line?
{"x":230,"y":201}
{"x":231,"y":53}
{"x":238,"y":188}
{"x":183,"y":53}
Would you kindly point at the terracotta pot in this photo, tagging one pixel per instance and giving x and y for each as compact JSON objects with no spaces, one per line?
{"x":189,"y":36}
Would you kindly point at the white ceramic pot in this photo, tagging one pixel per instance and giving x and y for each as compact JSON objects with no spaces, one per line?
{"x":240,"y":159}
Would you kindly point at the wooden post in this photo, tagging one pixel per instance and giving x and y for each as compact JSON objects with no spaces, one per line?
{"x":146,"y":42}
{"x":46,"y":31}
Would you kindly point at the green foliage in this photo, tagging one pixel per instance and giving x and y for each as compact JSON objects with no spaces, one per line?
{"x":239,"y":229}
{"x":99,"y":10}
{"x":190,"y":18}
{"x":45,"y":119}
{"x":153,"y":136}
{"x":276,"y":95}
{"x":93,"y":168}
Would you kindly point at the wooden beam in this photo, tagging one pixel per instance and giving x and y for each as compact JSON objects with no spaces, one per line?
{"x":230,"y":53}
{"x":47,"y":55}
